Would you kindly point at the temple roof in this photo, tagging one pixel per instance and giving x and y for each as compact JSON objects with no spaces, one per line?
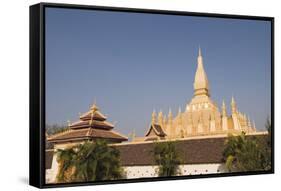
{"x":86,"y":134}
{"x":93,"y":118}
{"x":96,"y":115}
{"x":92,"y":124}
{"x":157,"y":129}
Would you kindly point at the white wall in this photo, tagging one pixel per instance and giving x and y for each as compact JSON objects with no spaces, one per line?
{"x":14,"y":93}
{"x":133,"y":172}
{"x":192,"y":169}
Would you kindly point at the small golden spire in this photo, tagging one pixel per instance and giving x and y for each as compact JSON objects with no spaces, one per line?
{"x":233,"y":105}
{"x":223,"y":109}
{"x":160,"y":117}
{"x":254,"y":125}
{"x":68,"y":123}
{"x":170,"y":115}
{"x":132,"y":135}
{"x":249,"y":121}
{"x":153,"y":117}
{"x":179,"y":110}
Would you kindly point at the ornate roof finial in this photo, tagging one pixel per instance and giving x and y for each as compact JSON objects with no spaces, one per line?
{"x":132,"y":135}
{"x":94,"y":106}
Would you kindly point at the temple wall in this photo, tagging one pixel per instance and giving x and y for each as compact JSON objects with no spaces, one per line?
{"x":150,"y":171}
{"x":190,"y":169}
{"x":50,"y":176}
{"x":52,"y":173}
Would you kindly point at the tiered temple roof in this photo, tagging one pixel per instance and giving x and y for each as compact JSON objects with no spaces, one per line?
{"x":155,"y":132}
{"x":92,"y":125}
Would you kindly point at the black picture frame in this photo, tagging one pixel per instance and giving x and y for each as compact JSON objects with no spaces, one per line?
{"x":37,"y":92}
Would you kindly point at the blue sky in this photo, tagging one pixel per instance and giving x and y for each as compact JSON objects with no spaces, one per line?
{"x":132,"y":63}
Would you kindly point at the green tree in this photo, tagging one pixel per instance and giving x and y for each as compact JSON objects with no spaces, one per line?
{"x":65,"y":159}
{"x":89,"y":162}
{"x":247,"y":153}
{"x":167,"y":158}
{"x":266,"y":142}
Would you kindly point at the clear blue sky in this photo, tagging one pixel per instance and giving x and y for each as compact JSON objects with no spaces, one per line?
{"x":132,"y":63}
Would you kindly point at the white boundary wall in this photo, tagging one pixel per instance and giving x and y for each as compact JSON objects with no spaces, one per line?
{"x":190,"y":169}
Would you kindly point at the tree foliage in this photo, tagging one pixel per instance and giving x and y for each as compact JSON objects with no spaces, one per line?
{"x":248,"y":153}
{"x":89,"y":162}
{"x":167,"y":158}
{"x":55,"y":128}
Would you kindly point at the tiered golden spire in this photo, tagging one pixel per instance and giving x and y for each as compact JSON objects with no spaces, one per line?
{"x":201,"y":84}
{"x":233,"y":105}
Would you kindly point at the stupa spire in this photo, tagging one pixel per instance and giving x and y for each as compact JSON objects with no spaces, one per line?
{"x":153,"y":117}
{"x":223,"y":109}
{"x":160,"y":117}
{"x":170,"y":115}
{"x":201,"y":84}
{"x":233,"y":105}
